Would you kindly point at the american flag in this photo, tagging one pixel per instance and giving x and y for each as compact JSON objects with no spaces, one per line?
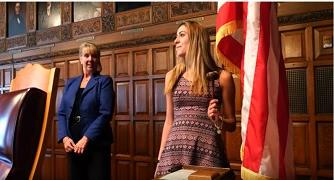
{"x":247,"y":42}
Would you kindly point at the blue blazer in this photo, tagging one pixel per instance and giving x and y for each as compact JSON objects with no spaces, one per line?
{"x":96,"y":109}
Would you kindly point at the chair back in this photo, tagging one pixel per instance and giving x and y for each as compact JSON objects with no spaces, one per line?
{"x":21,"y":119}
{"x":35,"y":75}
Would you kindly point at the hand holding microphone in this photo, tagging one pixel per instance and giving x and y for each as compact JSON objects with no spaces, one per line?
{"x":213,"y":109}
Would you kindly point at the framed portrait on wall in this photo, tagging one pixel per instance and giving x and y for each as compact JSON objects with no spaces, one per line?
{"x":16,"y":18}
{"x":49,"y":15}
{"x":86,"y":10}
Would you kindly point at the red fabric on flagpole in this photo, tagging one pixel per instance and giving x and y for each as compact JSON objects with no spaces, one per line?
{"x":265,"y":117}
{"x":258,"y":111}
{"x":234,"y":13}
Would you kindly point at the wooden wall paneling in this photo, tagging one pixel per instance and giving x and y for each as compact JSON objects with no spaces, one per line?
{"x":325,"y":146}
{"x":123,"y":146}
{"x":293,"y":45}
{"x":47,"y":163}
{"x":141,"y":62}
{"x":172,"y":56}
{"x":151,"y":112}
{"x":122,"y":132}
{"x":60,"y":90}
{"x":123,"y":66}
{"x":309,"y":127}
{"x":323,"y":43}
{"x":1,"y":78}
{"x":142,"y":139}
{"x":158,"y":128}
{"x":300,"y":148}
{"x":74,"y":68}
{"x":7,"y":76}
{"x":159,"y":97}
{"x":142,"y":135}
{"x":122,"y":98}
{"x":57,"y":147}
{"x":61,"y":167}
{"x":311,"y":100}
{"x":113,"y":65}
{"x":123,"y":170}
{"x":160,"y":60}
{"x":143,"y":171}
{"x":46,"y":171}
{"x":159,"y":113}
{"x":62,"y":71}
{"x":106,"y":65}
{"x":141,"y":99}
{"x":233,"y":144}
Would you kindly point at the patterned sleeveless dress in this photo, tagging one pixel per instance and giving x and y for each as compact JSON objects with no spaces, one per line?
{"x":193,"y":138}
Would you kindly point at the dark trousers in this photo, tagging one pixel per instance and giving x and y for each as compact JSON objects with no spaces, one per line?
{"x":93,"y":164}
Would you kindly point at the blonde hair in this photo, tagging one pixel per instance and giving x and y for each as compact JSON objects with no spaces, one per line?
{"x":198,"y":57}
{"x":92,"y":50}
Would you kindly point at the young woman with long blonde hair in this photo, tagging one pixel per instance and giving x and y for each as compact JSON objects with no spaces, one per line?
{"x":194,"y":120}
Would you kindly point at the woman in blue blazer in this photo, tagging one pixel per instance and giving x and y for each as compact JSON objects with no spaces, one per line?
{"x":84,"y":118}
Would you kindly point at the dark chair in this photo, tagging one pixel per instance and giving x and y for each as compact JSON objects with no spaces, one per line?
{"x":23,"y":134}
{"x":21,"y":119}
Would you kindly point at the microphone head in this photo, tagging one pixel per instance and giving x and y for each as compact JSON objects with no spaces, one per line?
{"x":213,"y":75}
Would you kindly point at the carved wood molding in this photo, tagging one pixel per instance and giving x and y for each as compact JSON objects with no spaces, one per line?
{"x":16,"y":42}
{"x":134,"y":18}
{"x":31,"y":39}
{"x":108,"y":17}
{"x":182,"y":10}
{"x":49,"y":35}
{"x":306,"y":17}
{"x":66,"y":32}
{"x":2,"y":45}
{"x":108,"y":8}
{"x":160,"y":13}
{"x":86,"y":27}
{"x":108,"y":23}
{"x":2,"y":19}
{"x":115,"y":45}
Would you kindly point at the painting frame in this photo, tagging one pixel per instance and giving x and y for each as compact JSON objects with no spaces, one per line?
{"x":16,"y":18}
{"x":48,"y":15}
{"x":86,"y":10}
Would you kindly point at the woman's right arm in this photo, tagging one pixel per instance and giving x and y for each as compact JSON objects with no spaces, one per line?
{"x":169,"y":117}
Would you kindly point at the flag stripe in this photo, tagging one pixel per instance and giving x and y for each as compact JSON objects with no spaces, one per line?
{"x":269,"y":163}
{"x":258,"y":117}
